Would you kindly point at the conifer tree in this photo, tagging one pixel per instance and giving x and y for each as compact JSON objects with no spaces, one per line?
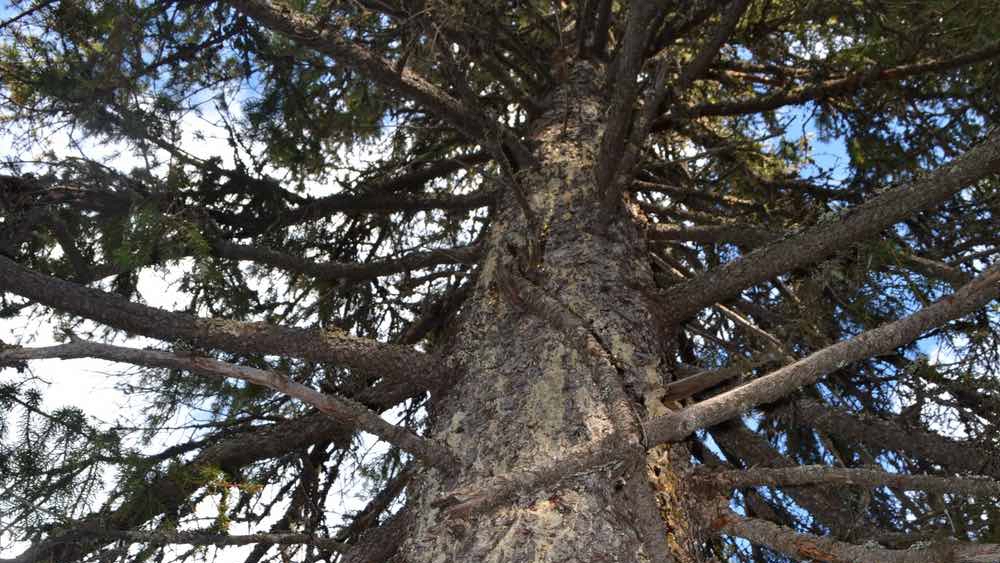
{"x":599,"y":281}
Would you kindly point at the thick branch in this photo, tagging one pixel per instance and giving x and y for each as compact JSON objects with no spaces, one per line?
{"x":682,"y":195}
{"x":345,"y":412}
{"x":819,"y":241}
{"x":703,"y":380}
{"x":367,"y":518}
{"x":661,"y":93}
{"x":933,"y":269}
{"x":344,"y":270}
{"x":381,"y":543}
{"x":816,"y":548}
{"x":585,"y":21}
{"x":861,"y":477}
{"x":955,"y":456}
{"x":700,"y":63}
{"x":840,"y":86}
{"x":625,"y":90}
{"x":601,"y":26}
{"x":712,"y":234}
{"x":368,"y":356}
{"x":769,"y":388}
{"x":329,"y":39}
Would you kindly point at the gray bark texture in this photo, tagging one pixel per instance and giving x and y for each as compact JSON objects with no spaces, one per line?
{"x":555,"y":348}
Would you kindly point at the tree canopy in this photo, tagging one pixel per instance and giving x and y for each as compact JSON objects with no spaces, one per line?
{"x":814,"y":192}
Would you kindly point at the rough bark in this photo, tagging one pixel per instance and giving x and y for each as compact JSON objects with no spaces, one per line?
{"x":555,"y":349}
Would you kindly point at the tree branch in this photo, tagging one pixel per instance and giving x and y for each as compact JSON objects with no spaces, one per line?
{"x":835,"y":86}
{"x":346,"y":270}
{"x":585,"y":19}
{"x":229,"y":453}
{"x":700,"y":63}
{"x":887,"y":435}
{"x":769,"y":388}
{"x":703,"y":380}
{"x":932,"y":268}
{"x":625,"y":90}
{"x":381,"y":543}
{"x":629,"y":153}
{"x":345,"y":412}
{"x":600,"y":34}
{"x":824,"y":504}
{"x":383,"y":196}
{"x":367,"y":356}
{"x":206,"y":538}
{"x":328,"y":38}
{"x":823,"y":239}
{"x":862,"y":477}
{"x":816,"y":548}
{"x":367,"y":518}
{"x":735,"y":233}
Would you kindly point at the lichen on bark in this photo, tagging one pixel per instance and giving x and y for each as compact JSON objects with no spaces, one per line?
{"x":529,"y":391}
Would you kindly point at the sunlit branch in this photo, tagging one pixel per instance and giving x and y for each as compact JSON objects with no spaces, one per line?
{"x":704,"y":380}
{"x":752,"y":236}
{"x":780,"y":383}
{"x":827,"y":237}
{"x":829,"y":550}
{"x":345,"y":412}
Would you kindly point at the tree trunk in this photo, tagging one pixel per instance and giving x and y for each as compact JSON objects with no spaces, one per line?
{"x":557,"y":348}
